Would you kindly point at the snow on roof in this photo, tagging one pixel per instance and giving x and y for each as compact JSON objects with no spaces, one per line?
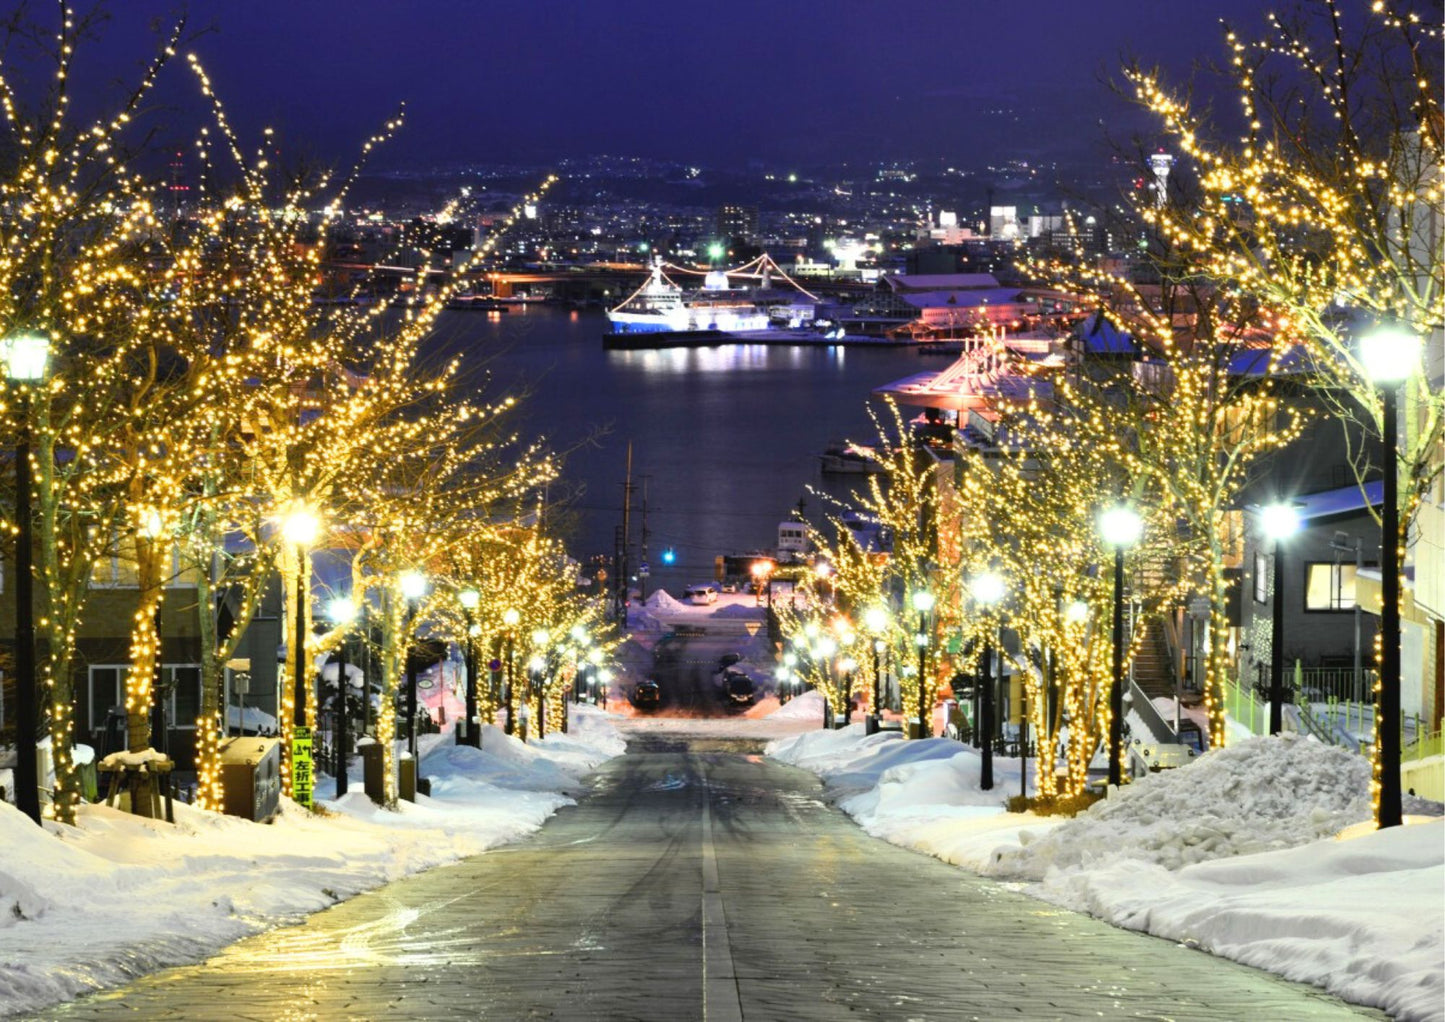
{"x":903,"y":283}
{"x":963,"y":299}
{"x":1328,"y":503}
{"x":1257,"y":362}
{"x":1101,"y":337}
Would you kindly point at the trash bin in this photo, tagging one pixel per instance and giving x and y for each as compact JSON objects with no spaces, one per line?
{"x":372,"y":777}
{"x":251,"y":777}
{"x":407,"y":767}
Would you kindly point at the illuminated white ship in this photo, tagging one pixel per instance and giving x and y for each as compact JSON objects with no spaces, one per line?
{"x":729,"y":301}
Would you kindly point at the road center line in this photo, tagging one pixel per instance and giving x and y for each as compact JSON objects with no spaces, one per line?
{"x":720,"y":1001}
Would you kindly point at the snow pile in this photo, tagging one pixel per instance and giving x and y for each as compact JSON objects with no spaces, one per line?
{"x":1260,"y":795}
{"x":741,"y":611}
{"x":808,"y":706}
{"x":662,"y":603}
{"x":1233,"y":854}
{"x":95,"y":905}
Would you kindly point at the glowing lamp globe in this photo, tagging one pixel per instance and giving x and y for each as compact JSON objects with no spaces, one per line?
{"x":875,"y":619}
{"x":1077,"y":612}
{"x":412,"y":585}
{"x":537,"y":664}
{"x":510,"y":617}
{"x":1280,"y":521}
{"x":301,"y":526}
{"x":25,"y":357}
{"x":1390,"y":356}
{"x":469,"y":598}
{"x":987,"y":588}
{"x":341,"y":611}
{"x":923,"y":601}
{"x":540,"y":636}
{"x":1121,"y":526}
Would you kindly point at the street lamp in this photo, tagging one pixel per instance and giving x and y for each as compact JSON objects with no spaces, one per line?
{"x":1120,"y":528}
{"x":25,"y":358}
{"x":300,"y":528}
{"x":923,"y":602}
{"x":510,"y":618}
{"x":472,"y":728}
{"x":761,"y":572}
{"x":1280,"y":522}
{"x":341,"y":611}
{"x":1389,"y":357}
{"x":412,"y":585}
{"x":875,"y":619}
{"x":987,"y":589}
{"x":824,"y":572}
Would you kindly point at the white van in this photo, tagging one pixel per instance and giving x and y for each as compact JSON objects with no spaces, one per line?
{"x":700,"y":595}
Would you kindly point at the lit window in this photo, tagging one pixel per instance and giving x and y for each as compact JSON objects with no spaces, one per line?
{"x":1329,"y":586}
{"x":1261,"y":578}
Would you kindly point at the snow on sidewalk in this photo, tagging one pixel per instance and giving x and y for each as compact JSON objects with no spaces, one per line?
{"x":1235,"y":853}
{"x":117,"y":896}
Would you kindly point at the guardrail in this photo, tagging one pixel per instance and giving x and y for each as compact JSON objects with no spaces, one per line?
{"x":1337,"y":683}
{"x":1241,"y":704}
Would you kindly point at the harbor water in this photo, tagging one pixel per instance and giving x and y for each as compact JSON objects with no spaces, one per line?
{"x":724,"y":439}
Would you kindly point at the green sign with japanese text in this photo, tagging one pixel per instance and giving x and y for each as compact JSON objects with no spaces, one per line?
{"x":301,"y":777}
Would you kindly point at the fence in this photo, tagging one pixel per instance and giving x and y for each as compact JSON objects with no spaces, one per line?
{"x":1341,"y":684}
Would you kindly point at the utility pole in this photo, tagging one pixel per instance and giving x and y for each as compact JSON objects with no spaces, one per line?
{"x":625,"y":566}
{"x":643,"y":568}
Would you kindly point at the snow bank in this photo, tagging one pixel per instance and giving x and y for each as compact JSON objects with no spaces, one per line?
{"x":1234,"y":854}
{"x":95,"y":905}
{"x":1260,"y":795}
{"x":808,"y":706}
{"x":661,"y":602}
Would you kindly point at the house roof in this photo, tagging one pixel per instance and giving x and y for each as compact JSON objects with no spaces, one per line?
{"x":1260,"y":362}
{"x":906,"y":283}
{"x":1100,"y":336}
{"x":962,"y":299}
{"x":1344,"y":500}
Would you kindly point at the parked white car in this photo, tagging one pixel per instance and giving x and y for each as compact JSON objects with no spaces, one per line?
{"x":701,"y":595}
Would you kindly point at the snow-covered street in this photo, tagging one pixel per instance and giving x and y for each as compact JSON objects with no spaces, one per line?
{"x":597,"y":915}
{"x":119,"y":896}
{"x":1255,"y":853}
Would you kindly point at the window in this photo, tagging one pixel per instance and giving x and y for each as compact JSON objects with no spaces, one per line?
{"x":1261,"y":578}
{"x":106,"y":688}
{"x":1329,"y":586}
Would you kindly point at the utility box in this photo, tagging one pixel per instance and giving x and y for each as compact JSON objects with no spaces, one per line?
{"x":251,"y":776}
{"x":407,"y":768}
{"x":373,"y":777}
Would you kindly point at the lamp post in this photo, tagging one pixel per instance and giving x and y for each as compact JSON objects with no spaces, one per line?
{"x":789,"y":659}
{"x":824,"y":572}
{"x":923,"y":603}
{"x":25,"y":358}
{"x":823,"y":650}
{"x":342,"y":612}
{"x":1280,"y":521}
{"x":300,"y":529}
{"x":540,"y":638}
{"x":413,"y":587}
{"x":472,"y":728}
{"x":987,"y":590}
{"x":1389,"y":357}
{"x":510,"y":618}
{"x":1120,"y":528}
{"x":875,"y":619}
{"x":848,"y":665}
{"x":535,"y":667}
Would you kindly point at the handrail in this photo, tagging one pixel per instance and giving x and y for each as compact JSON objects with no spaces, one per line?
{"x":1423,"y":747}
{"x":1173,"y":644}
{"x":1159,"y":728}
{"x":1240,"y":704}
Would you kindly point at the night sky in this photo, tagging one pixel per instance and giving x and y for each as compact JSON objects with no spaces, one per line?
{"x":503,"y":80}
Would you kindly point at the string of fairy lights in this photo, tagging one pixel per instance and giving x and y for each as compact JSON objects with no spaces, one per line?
{"x":198,"y":395}
{"x":1180,"y":448}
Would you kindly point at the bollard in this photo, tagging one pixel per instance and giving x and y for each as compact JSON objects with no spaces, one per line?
{"x":407,"y":785}
{"x":373,"y":778}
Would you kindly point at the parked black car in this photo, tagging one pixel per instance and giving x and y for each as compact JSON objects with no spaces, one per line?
{"x":647,"y":695}
{"x":739,"y":689}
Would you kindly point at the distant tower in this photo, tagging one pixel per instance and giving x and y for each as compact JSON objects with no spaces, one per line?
{"x":1161,"y":162}
{"x":178,"y":186}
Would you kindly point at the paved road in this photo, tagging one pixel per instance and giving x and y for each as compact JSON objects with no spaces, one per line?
{"x":700,"y":881}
